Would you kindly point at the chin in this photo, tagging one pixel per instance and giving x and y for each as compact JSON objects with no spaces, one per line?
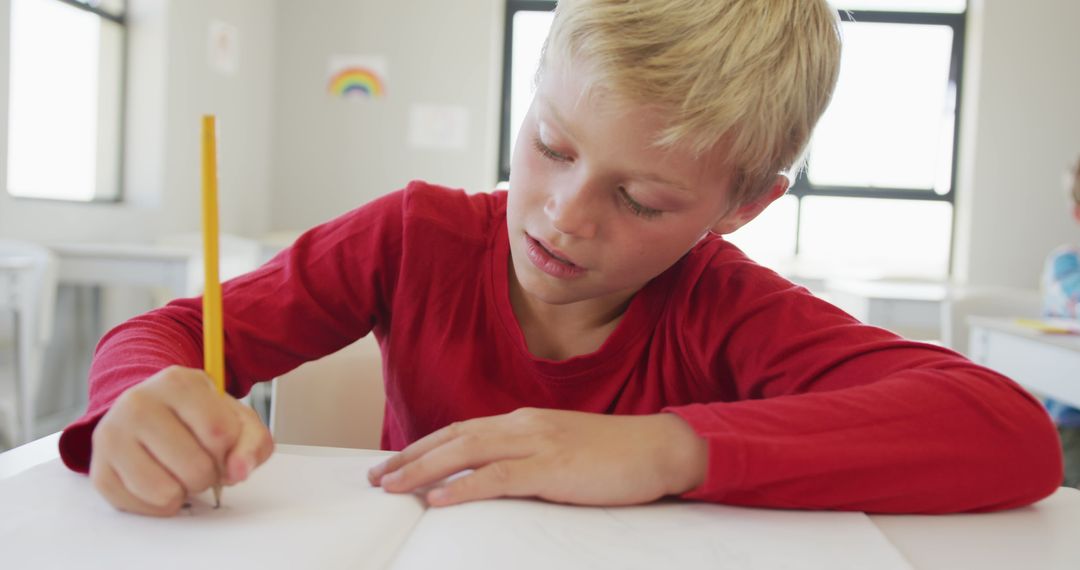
{"x":551,"y":296}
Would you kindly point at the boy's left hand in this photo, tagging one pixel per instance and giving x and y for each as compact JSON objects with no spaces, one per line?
{"x":556,"y":455}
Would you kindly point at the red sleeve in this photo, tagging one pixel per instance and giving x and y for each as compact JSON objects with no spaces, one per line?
{"x":330,"y":288}
{"x":834,"y":414}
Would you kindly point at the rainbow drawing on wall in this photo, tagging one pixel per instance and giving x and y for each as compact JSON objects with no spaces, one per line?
{"x":357,"y":77}
{"x":356,"y":81}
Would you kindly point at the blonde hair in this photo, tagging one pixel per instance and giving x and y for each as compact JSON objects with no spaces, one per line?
{"x":753,"y":74}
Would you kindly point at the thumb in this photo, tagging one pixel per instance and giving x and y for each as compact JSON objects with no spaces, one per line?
{"x":252,"y":449}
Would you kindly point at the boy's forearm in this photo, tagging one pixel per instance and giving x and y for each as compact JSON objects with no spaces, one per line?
{"x":919,"y":442}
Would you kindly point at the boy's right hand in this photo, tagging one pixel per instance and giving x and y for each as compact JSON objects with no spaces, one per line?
{"x":164,"y":440}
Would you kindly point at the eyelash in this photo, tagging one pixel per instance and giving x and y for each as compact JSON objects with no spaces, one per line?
{"x":547,"y":152}
{"x":636,"y":208}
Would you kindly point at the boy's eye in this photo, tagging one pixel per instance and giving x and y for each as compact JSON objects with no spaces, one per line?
{"x":635,"y":207}
{"x":546,"y":151}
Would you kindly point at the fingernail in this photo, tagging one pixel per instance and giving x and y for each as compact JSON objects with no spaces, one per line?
{"x":241,"y":469}
{"x":391,"y":479}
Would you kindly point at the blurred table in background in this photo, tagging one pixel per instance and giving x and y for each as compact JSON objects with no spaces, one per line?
{"x":911,"y":309}
{"x":1045,"y":363}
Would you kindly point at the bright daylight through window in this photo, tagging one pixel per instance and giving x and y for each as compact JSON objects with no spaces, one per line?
{"x":65,"y":99}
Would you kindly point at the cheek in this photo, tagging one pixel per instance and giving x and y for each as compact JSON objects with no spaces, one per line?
{"x":523,"y":196}
{"x":529,"y":179}
{"x":647,"y":254}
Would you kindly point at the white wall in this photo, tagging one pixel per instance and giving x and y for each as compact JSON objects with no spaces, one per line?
{"x":1021,"y":129}
{"x":292,"y":156}
{"x":170,"y":87}
{"x":332,"y":155}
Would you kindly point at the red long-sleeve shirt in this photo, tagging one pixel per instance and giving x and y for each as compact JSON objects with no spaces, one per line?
{"x":802,"y":406}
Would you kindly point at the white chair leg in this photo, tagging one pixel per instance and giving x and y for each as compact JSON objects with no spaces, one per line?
{"x":30,"y":363}
{"x":21,"y":432}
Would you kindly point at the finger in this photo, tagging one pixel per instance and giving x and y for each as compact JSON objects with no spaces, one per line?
{"x":205,"y":412}
{"x":419,"y":448}
{"x":466,"y":451}
{"x":177,"y":450}
{"x":253,"y":448}
{"x":520,"y":421}
{"x":510,"y":478}
{"x":108,"y":483}
{"x":144,"y":477}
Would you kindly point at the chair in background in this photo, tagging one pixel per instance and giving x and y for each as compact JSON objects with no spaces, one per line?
{"x":336,"y":401}
{"x":28,"y":292}
{"x":964,"y":302}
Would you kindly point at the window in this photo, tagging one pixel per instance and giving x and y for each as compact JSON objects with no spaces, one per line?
{"x":527,"y":25}
{"x":65,"y":100}
{"x":876,"y":197}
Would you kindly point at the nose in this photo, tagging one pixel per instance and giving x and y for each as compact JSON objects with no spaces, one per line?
{"x":571,"y":212}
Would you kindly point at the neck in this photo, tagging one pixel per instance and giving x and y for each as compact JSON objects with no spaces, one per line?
{"x":559,"y":332}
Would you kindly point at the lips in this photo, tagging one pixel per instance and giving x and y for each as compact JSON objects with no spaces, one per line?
{"x":560,"y":256}
{"x":550,"y":260}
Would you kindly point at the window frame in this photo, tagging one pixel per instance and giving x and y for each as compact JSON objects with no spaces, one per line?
{"x":512,"y":7}
{"x":801,"y":187}
{"x":120,"y":19}
{"x":116,"y":18}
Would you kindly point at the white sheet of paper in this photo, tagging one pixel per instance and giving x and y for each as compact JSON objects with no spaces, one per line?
{"x":293,"y":512}
{"x":320,"y":512}
{"x":531,"y":534}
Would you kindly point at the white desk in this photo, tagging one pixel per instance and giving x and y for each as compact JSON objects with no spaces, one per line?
{"x":911,"y":309}
{"x":124,"y":264}
{"x":175,"y":267}
{"x":1045,"y":363}
{"x":1042,"y":536}
{"x":274,"y":242}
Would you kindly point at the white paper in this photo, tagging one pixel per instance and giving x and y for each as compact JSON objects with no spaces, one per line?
{"x":300,"y":511}
{"x":223,"y":47}
{"x":441,"y":127}
{"x":531,"y":534}
{"x":293,"y":512}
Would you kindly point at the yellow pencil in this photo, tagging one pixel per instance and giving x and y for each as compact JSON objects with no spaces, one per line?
{"x":213,"y":336}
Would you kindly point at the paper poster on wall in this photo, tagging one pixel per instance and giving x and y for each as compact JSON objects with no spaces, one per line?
{"x":223,"y":48}
{"x":356,"y":77}
{"x":442,"y":127}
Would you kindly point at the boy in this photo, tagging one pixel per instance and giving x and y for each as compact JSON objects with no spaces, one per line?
{"x":588,"y":337}
{"x":1061,"y":299}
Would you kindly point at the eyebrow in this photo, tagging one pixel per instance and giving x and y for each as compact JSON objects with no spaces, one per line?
{"x":550,"y":108}
{"x":638,"y":174}
{"x":661,"y":180}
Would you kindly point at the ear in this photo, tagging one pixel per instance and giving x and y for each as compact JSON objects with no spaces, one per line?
{"x":747,"y":212}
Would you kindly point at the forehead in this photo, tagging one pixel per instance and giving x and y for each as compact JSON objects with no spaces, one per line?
{"x":609,"y":127}
{"x":577,"y":87}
